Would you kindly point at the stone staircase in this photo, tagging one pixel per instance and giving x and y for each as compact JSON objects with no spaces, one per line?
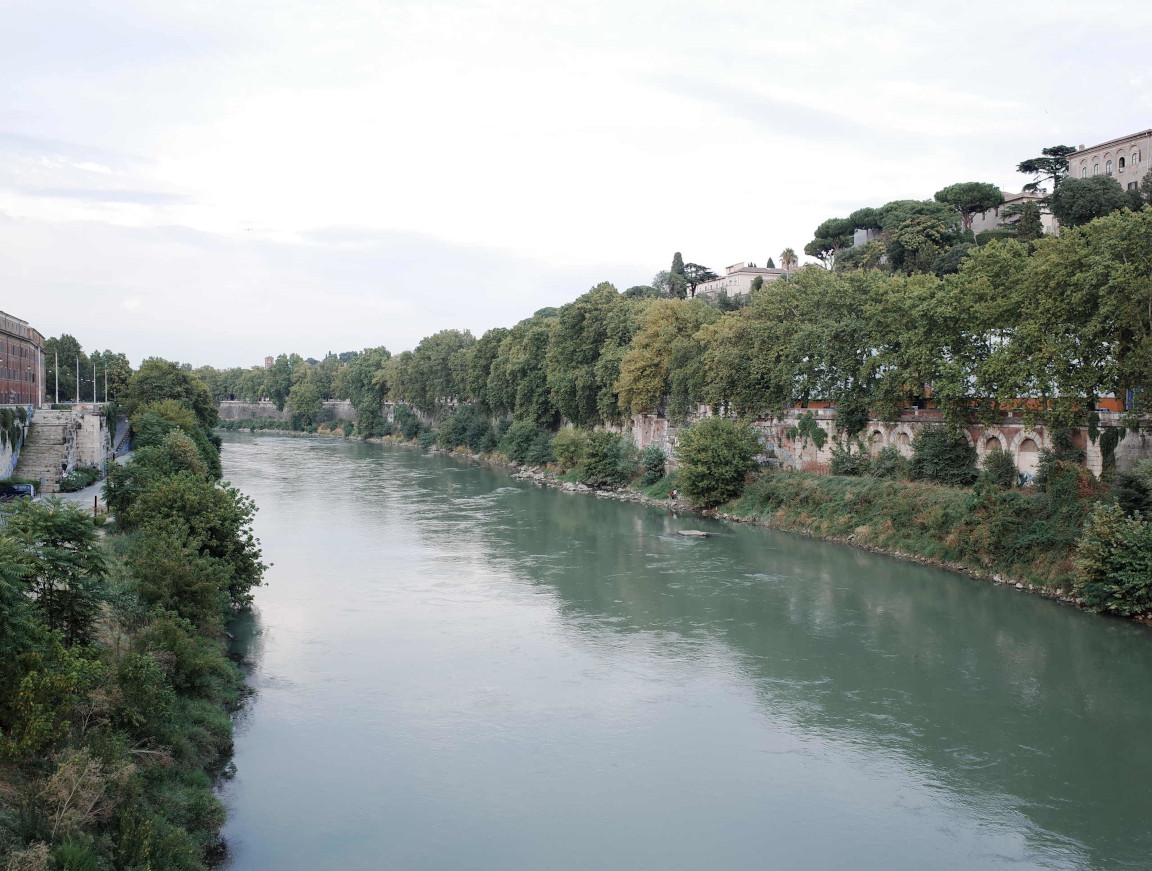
{"x":46,"y":449}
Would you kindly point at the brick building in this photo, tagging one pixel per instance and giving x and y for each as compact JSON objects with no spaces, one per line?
{"x":21,"y":363}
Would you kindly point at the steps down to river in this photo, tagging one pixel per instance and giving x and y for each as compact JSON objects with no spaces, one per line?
{"x":46,"y":448}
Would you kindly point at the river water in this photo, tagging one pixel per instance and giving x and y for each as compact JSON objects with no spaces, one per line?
{"x":456,"y":671}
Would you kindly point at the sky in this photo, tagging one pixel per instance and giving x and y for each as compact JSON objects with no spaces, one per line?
{"x":213,"y":181}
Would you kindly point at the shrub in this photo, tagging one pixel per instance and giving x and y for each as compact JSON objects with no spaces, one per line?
{"x":844,"y":462}
{"x":348,"y":428}
{"x":609,"y":460}
{"x":1132,"y":490}
{"x":889,"y":463}
{"x":569,"y":445}
{"x":428,"y":439}
{"x":1114,"y":562}
{"x":715,"y":458}
{"x":407,"y":422}
{"x":525,"y":443}
{"x":943,"y":457}
{"x":999,"y":470}
{"x":652,"y":464}
{"x":81,"y":477}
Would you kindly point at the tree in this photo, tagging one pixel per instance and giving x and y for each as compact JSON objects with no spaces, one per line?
{"x":757,"y":283}
{"x":971,"y":198}
{"x":830,"y":237}
{"x":278,"y":381}
{"x":65,"y":349}
{"x":113,"y":370}
{"x":915,"y":244}
{"x":585,"y":347}
{"x":1146,"y":188}
{"x":1080,"y":200}
{"x":1052,"y":165}
{"x":771,"y":264}
{"x":695,"y":275}
{"x":158,"y":379}
{"x":715,"y":457}
{"x":677,"y":264}
{"x":865,"y":219}
{"x":1027,"y":225}
{"x":65,"y":566}
{"x":788,"y":259}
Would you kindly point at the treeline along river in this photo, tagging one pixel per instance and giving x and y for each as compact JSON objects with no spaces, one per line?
{"x":453,"y":671}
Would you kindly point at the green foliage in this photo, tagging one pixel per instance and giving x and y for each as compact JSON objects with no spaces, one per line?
{"x":65,"y":569}
{"x":970,"y":199}
{"x":889,"y":464}
{"x":715,"y":457}
{"x":828,"y":239}
{"x":845,"y":462}
{"x":1080,"y":200}
{"x":526,"y":444}
{"x":157,"y":380}
{"x":568,"y":447}
{"x":942,"y":456}
{"x":808,"y":429}
{"x":1132,"y":490}
{"x":79,"y":478}
{"x":1051,"y":166}
{"x":465,"y":427}
{"x":609,"y":460}
{"x":407,"y":422}
{"x":999,"y":470}
{"x":653,"y":464}
{"x":1114,"y":562}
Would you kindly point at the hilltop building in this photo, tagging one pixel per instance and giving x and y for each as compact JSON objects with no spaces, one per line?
{"x":1125,"y":159}
{"x":993,"y":219}
{"x":21,"y":363}
{"x":738,"y":279}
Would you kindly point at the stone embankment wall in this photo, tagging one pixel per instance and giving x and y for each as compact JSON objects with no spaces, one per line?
{"x":236,"y":410}
{"x":1010,"y":434}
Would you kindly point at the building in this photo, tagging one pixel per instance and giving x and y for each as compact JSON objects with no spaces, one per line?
{"x":994,"y":220}
{"x":21,"y":363}
{"x":1125,"y":159}
{"x":268,"y":361}
{"x":738,"y":279}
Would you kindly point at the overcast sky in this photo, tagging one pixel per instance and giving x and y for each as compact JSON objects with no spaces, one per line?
{"x":216,"y":180}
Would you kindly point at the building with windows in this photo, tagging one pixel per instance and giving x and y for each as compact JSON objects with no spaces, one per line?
{"x":1126,"y":159}
{"x":738,"y":279}
{"x":21,"y":363}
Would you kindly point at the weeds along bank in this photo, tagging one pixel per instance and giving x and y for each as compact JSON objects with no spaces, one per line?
{"x":116,"y":692}
{"x":1067,"y":534}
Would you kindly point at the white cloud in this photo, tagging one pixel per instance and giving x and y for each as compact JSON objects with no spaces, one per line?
{"x":544,"y":142}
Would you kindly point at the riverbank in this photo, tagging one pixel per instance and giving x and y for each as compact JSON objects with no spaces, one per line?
{"x":928,"y":524}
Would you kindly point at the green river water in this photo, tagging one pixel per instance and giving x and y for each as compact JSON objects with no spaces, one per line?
{"x":453,"y":670}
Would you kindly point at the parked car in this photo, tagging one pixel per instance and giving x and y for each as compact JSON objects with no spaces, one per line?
{"x":10,"y":492}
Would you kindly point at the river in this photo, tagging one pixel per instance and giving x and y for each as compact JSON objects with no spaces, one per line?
{"x":452,"y":670}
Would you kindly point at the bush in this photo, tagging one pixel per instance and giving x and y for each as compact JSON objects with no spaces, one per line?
{"x":999,"y":470}
{"x":943,"y":457}
{"x":889,"y":463}
{"x":525,"y":443}
{"x":569,"y":445}
{"x":844,"y":462}
{"x":348,"y":428}
{"x":407,"y":422}
{"x":428,"y":439}
{"x":609,"y":460}
{"x":1114,"y":562}
{"x":79,"y":478}
{"x":652,"y":464}
{"x":715,"y":457}
{"x":1132,"y":490}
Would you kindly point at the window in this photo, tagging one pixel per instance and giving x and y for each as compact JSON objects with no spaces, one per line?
{"x":1108,"y":167}
{"x":1131,"y":185}
{"x":1120,"y":164}
{"x":1095,"y":169}
{"x":1083,"y":172}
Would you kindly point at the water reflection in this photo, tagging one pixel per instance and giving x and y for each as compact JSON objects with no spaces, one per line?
{"x":528,"y":678}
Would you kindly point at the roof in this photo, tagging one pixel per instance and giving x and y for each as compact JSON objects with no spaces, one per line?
{"x":1112,"y":142}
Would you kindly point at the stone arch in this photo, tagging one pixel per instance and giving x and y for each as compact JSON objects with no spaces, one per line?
{"x":1026,"y":447}
{"x":902,"y":438}
{"x":991,"y":440}
{"x":876,"y":439}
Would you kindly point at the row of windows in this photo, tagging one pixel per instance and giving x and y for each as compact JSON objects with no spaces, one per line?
{"x":1121,"y":164}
